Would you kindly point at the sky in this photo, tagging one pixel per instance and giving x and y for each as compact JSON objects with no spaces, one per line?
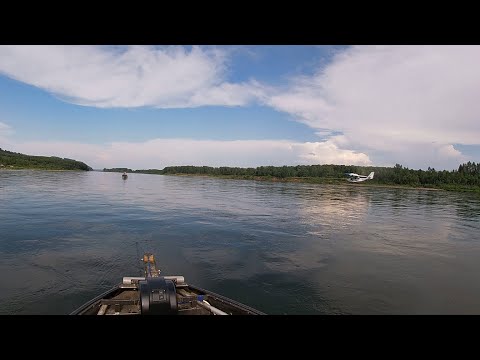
{"x":147,"y":107}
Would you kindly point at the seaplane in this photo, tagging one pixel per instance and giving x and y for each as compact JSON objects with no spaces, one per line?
{"x":352,"y":177}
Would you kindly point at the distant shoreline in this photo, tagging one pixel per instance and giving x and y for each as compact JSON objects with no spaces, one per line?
{"x":305,"y":180}
{"x":465,"y":179}
{"x":37,"y":169}
{"x":10,"y":160}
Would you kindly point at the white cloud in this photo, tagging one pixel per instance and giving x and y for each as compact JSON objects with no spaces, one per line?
{"x":130,"y":76}
{"x":158,"y":153}
{"x":406,"y":104}
{"x":5,"y":129}
{"x":5,"y":132}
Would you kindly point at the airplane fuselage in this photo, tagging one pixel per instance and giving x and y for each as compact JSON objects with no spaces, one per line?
{"x":359,"y":178}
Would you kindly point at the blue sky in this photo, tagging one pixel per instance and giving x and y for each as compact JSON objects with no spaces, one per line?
{"x":156,"y":106}
{"x":48,"y":118}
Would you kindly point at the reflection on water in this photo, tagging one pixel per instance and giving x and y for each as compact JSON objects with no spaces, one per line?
{"x":282,"y":248}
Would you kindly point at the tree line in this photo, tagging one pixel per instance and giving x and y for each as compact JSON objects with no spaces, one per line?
{"x":9,"y":159}
{"x":467,"y":174}
{"x":122,"y":170}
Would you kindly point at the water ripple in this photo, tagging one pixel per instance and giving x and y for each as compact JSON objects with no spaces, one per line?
{"x":282,"y":248}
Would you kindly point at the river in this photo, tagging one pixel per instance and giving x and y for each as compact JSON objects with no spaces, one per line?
{"x":283,"y":248}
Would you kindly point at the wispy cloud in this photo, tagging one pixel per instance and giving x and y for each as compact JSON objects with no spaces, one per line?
{"x":5,"y":130}
{"x":131,"y":76}
{"x":158,"y":153}
{"x":397,"y":103}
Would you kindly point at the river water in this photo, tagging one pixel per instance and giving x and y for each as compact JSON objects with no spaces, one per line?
{"x":282,"y":248}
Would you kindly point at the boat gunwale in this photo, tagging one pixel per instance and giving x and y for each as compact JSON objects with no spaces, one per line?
{"x":94,"y":300}
{"x":228,"y":300}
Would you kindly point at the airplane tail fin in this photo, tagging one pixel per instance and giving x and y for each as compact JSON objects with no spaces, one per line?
{"x":370,"y":176}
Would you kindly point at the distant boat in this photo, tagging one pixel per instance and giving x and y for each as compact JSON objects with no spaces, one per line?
{"x":124,"y":176}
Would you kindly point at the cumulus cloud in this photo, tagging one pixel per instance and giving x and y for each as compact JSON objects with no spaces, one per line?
{"x":158,"y":153}
{"x":407,"y":104}
{"x":131,"y":76}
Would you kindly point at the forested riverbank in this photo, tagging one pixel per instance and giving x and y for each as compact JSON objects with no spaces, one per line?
{"x":465,"y":178}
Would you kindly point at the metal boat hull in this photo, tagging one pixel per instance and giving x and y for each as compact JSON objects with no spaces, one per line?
{"x":124,"y":299}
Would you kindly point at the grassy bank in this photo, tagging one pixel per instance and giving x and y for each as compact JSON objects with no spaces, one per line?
{"x":333,"y":181}
{"x":341,"y":181}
